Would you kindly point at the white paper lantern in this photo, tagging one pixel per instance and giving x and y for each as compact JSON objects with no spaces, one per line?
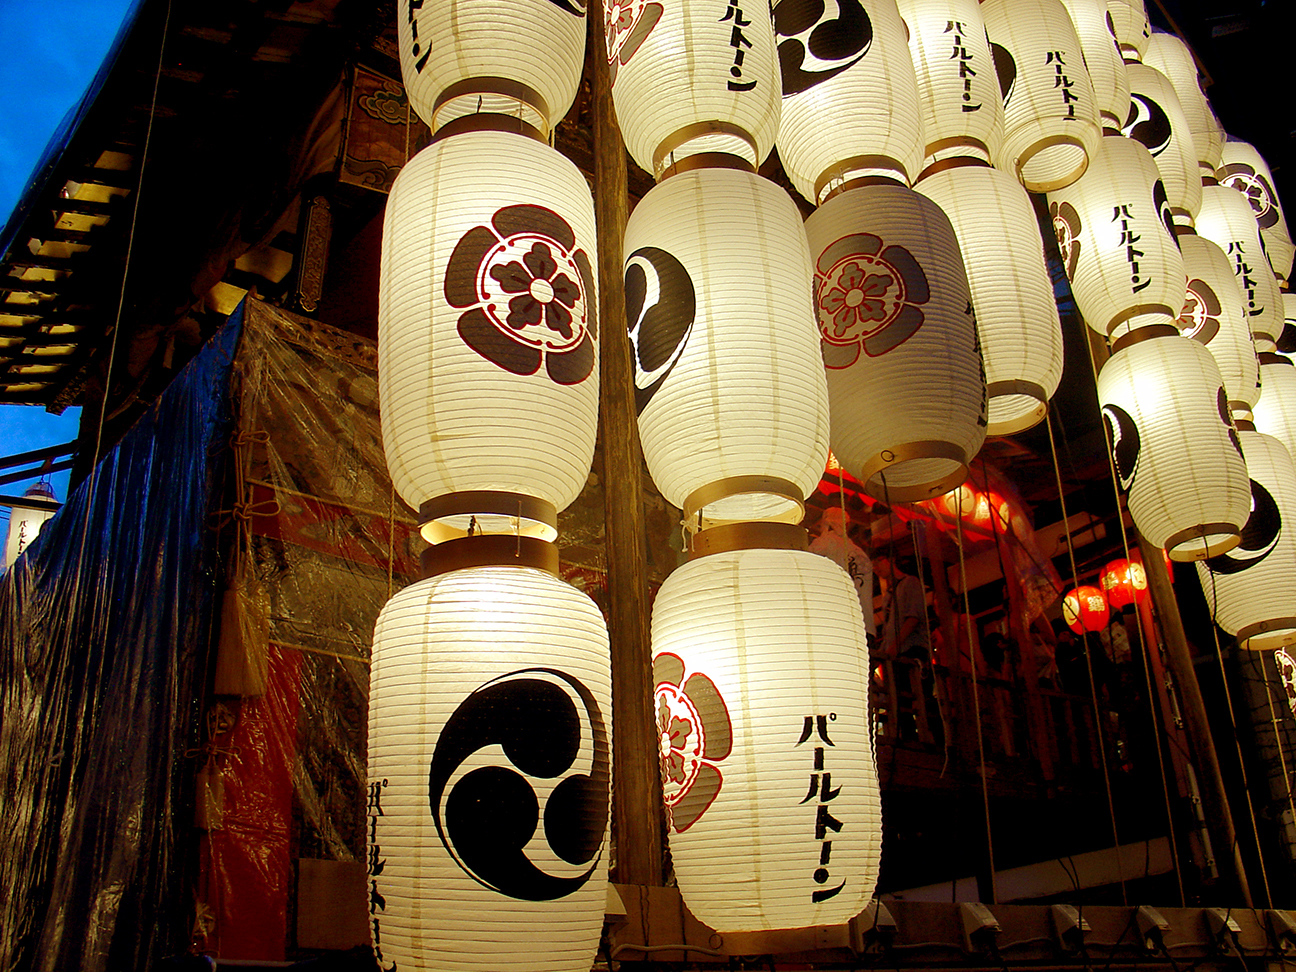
{"x":1016,"y":314}
{"x":1244,"y":169}
{"x":1051,"y":124}
{"x":1275,"y":413}
{"x":488,"y":337}
{"x":1251,"y":590}
{"x":1174,"y":444}
{"x":761,"y":670}
{"x":521,"y":58}
{"x":489,"y":763}
{"x":1130,"y":23}
{"x":691,"y":77}
{"x":958,"y":89}
{"x":1114,"y":234}
{"x":1226,"y":219}
{"x":1157,"y":120}
{"x":1103,"y":58}
{"x":906,"y":383}
{"x":1169,"y":55}
{"x":25,"y":525}
{"x":824,"y":138}
{"x":1215,"y":315}
{"x":729,"y":384}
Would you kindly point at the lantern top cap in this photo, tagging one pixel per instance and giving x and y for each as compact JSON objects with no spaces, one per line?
{"x":1149,"y":333}
{"x":748,"y":536}
{"x":474,"y":513}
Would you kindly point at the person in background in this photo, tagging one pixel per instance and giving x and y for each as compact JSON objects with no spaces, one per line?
{"x":834,"y":542}
{"x":903,"y":632}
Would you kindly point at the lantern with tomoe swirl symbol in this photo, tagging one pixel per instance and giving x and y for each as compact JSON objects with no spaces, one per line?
{"x":1157,"y":120}
{"x":1227,"y":220}
{"x":1275,"y":412}
{"x":1103,"y":58}
{"x":1169,"y":55}
{"x":1130,"y":24}
{"x":1085,"y":609}
{"x":1124,"y":582}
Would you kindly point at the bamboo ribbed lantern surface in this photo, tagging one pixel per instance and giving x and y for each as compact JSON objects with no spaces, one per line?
{"x":488,"y":329}
{"x":958,"y":90}
{"x":1275,"y":413}
{"x":832,"y":64}
{"x":1157,"y":120}
{"x":1130,"y":23}
{"x":1103,"y":58}
{"x":1169,"y":55}
{"x":688,"y":77}
{"x":905,"y":376}
{"x":761,"y":667}
{"x":1051,"y":124}
{"x":1174,"y":445}
{"x":489,"y":764}
{"x":1226,"y":219}
{"x":1114,"y":233}
{"x":1244,"y":169}
{"x":728,"y":379}
{"x":521,"y":58}
{"x":1016,"y":314}
{"x":1250,"y":589}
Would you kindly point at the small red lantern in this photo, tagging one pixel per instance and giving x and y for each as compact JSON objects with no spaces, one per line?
{"x":1085,"y":609}
{"x":1124,"y":582}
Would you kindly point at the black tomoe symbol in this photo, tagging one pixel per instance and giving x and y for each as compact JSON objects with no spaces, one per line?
{"x":1005,"y":69}
{"x":1162,"y":203}
{"x":1124,"y":442}
{"x":1221,"y":402}
{"x":661,"y":307}
{"x":545,"y":722}
{"x":833,"y":44}
{"x":1259,"y":537}
{"x":576,"y":7}
{"x":1147,"y":123}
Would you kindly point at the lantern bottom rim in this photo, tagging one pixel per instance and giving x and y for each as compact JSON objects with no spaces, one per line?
{"x":1267,"y":635}
{"x":933,"y":467}
{"x":1202,"y":541}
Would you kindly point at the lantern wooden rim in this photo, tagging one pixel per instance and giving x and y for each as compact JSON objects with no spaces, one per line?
{"x":494,"y":550}
{"x":1131,"y":312}
{"x":1105,"y":115}
{"x":861,"y":182}
{"x":536,"y":517}
{"x":1208,"y":180}
{"x":907,"y":452}
{"x":488,"y":121}
{"x":1035,"y":148}
{"x":1241,"y":424}
{"x":1017,"y":386}
{"x":959,"y":162}
{"x":1127,"y":49}
{"x":707,"y":160}
{"x":696,"y":502}
{"x":688,"y":133}
{"x":1175,"y":542}
{"x":1285,"y":635}
{"x":856,"y":162}
{"x":765,"y":535}
{"x":957,"y":141}
{"x":505,"y":87}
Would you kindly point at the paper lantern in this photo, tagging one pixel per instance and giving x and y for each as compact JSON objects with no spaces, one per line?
{"x":1275,"y":413}
{"x":1214,"y":314}
{"x":25,"y":525}
{"x":1130,"y":24}
{"x":1169,"y":55}
{"x":1103,"y":58}
{"x":1114,"y":233}
{"x":1173,"y":443}
{"x":728,"y":379}
{"x":905,"y":376}
{"x":833,"y":61}
{"x":1287,"y":340}
{"x":1085,"y":609}
{"x":687,"y":80}
{"x":1250,"y":589}
{"x":488,"y":333}
{"x":1051,"y":125}
{"x":1016,"y":315}
{"x":1226,"y":220}
{"x":1244,"y":169}
{"x":1124,"y":582}
{"x":512,"y":57}
{"x":958,"y":90}
{"x":761,"y":669}
{"x":1157,"y":120}
{"x":489,"y":763}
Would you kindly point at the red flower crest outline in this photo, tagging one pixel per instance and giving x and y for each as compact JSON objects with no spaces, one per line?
{"x":695,"y":734}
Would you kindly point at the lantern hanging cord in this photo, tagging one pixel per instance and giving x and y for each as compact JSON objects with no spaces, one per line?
{"x":1278,"y":735}
{"x":1093,"y":689}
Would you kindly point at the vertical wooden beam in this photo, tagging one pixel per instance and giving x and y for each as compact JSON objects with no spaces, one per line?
{"x":636,"y":781}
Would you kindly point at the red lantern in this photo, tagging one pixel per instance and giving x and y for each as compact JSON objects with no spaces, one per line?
{"x":1124,"y":582}
{"x":1085,"y":609}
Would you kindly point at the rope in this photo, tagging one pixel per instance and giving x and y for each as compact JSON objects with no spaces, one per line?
{"x":1278,"y":742}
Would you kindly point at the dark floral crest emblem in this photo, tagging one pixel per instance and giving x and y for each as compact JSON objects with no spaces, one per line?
{"x":695,"y":734}
{"x":867,"y":297}
{"x":1199,"y":318}
{"x":627,"y":24}
{"x":1066,"y":224}
{"x":526,"y":290}
{"x":1246,"y":180}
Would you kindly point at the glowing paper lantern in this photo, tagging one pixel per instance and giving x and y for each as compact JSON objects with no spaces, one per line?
{"x":1275,"y":413}
{"x":1103,"y":58}
{"x":1016,"y":315}
{"x":1169,"y":55}
{"x":1124,"y":582}
{"x":488,"y":326}
{"x":1114,"y":233}
{"x":1157,"y":120}
{"x":1244,"y":169}
{"x":1226,"y":219}
{"x":1250,"y":589}
{"x":1173,"y":443}
{"x":25,"y":525}
{"x":1130,"y":24}
{"x":958,"y":89}
{"x":1214,"y":314}
{"x":1051,"y":125}
{"x":513,"y":57}
{"x":686,"y":81}
{"x":489,"y":763}
{"x":729,"y":382}
{"x":1085,"y":609}
{"x":905,"y":379}
{"x":761,"y":670}
{"x":824,"y":139}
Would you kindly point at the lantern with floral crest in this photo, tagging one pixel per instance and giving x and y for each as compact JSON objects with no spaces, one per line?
{"x":1244,"y":169}
{"x":1085,"y":609}
{"x":1227,"y":220}
{"x":1124,"y":582}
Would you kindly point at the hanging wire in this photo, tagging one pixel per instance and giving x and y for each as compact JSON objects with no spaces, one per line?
{"x":1278,"y":741}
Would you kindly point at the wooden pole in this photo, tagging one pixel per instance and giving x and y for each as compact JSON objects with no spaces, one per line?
{"x":636,"y":780}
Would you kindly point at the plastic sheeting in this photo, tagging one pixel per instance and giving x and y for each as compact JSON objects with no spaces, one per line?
{"x":105,"y":625}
